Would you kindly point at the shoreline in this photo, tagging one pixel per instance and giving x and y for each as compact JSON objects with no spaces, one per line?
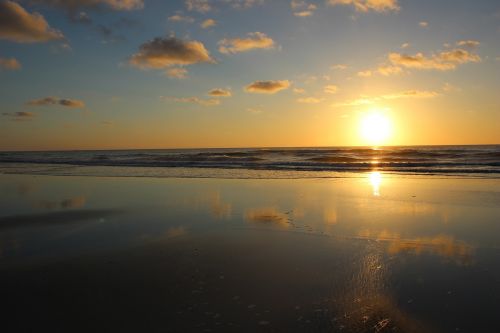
{"x":218,"y":173}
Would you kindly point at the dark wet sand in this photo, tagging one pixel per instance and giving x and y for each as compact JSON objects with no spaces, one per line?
{"x":223,"y":265}
{"x":250,"y":280}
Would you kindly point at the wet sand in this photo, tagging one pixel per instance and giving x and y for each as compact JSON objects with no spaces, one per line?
{"x":374,"y":253}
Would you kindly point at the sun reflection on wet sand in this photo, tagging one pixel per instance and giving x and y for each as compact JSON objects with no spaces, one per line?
{"x":375,"y":178}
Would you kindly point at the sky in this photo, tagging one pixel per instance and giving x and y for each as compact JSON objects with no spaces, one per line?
{"x":119,"y":74}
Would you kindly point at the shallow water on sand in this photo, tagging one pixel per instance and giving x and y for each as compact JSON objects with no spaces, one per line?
{"x":371,"y":253}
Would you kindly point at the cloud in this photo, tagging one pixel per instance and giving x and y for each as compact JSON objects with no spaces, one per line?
{"x":367,"y":5}
{"x":468,"y":43}
{"x":81,"y":17}
{"x":412,"y":93}
{"x":447,"y":87}
{"x":242,"y":4}
{"x":73,"y":5}
{"x":208,"y":23}
{"x":339,"y":67}
{"x":165,"y":52}
{"x":302,"y":8}
{"x":255,"y":40}
{"x":366,"y":73}
{"x":299,"y":90}
{"x":387,"y":70}
{"x":11,"y":64}
{"x":177,"y":73}
{"x":218,"y":92}
{"x":202,"y":6}
{"x":17,"y":25}
{"x":330,"y":89}
{"x":20,"y":115}
{"x":423,"y":24}
{"x":194,"y":100}
{"x":445,"y":60}
{"x":181,"y":18}
{"x":267,"y":87}
{"x":70,"y":103}
{"x":310,"y":100}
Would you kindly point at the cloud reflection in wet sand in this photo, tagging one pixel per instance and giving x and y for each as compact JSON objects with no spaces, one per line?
{"x":267,"y":215}
{"x":441,"y":245}
{"x":75,"y":202}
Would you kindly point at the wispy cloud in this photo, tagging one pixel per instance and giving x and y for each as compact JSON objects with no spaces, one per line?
{"x":366,"y":73}
{"x":331,"y":89}
{"x":165,"y":52}
{"x":423,"y":24}
{"x":387,"y":70}
{"x":368,"y":5}
{"x":412,"y":93}
{"x":181,"y":18}
{"x":267,"y":87}
{"x":468,"y":43}
{"x":20,"y":115}
{"x":10,"y":64}
{"x":310,"y":100}
{"x":70,"y":103}
{"x":254,"y":40}
{"x":208,"y":23}
{"x":202,"y":6}
{"x":219,"y":92}
{"x":340,"y":67}
{"x":302,"y":8}
{"x":111,"y":4}
{"x":17,"y":25}
{"x":193,"y":99}
{"x":177,"y":73}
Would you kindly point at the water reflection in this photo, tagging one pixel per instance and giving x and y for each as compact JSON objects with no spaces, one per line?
{"x":267,"y":215}
{"x":375,"y":178}
{"x":75,"y":202}
{"x":441,"y":245}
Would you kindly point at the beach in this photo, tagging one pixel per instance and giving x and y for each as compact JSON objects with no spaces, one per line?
{"x":356,"y":252}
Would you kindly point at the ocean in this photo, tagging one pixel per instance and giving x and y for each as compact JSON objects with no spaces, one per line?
{"x":479,"y":160}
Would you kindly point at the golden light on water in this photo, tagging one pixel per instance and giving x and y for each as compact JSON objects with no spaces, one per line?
{"x":375,"y":128}
{"x":375,"y":180}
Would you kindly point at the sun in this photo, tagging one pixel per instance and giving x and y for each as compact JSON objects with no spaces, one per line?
{"x":375,"y":128}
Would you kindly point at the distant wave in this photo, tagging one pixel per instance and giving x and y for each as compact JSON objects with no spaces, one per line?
{"x":428,"y":159}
